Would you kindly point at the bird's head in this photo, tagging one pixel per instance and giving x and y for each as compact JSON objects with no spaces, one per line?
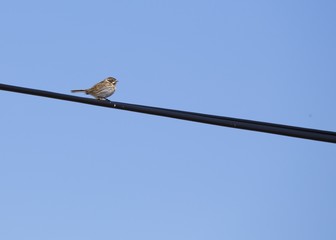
{"x":112,"y":80}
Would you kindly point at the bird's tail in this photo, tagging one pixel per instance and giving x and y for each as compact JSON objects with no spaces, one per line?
{"x":74,"y":91}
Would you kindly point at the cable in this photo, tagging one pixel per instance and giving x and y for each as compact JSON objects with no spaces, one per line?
{"x":279,"y":129}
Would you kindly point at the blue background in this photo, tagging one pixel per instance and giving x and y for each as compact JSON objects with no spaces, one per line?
{"x":75,"y":171}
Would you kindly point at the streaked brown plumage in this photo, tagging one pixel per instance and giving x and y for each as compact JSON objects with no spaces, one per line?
{"x":101,"y":90}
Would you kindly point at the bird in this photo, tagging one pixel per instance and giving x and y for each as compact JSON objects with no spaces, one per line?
{"x":101,"y":90}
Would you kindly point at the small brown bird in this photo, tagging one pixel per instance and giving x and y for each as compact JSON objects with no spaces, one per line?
{"x":101,"y":90}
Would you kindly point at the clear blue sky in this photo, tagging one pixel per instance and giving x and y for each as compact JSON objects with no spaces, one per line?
{"x":74,"y":171}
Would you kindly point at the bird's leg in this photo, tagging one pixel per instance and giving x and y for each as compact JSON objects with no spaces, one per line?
{"x":101,"y":99}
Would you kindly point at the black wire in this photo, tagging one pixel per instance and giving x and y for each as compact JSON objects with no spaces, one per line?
{"x":291,"y":131}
